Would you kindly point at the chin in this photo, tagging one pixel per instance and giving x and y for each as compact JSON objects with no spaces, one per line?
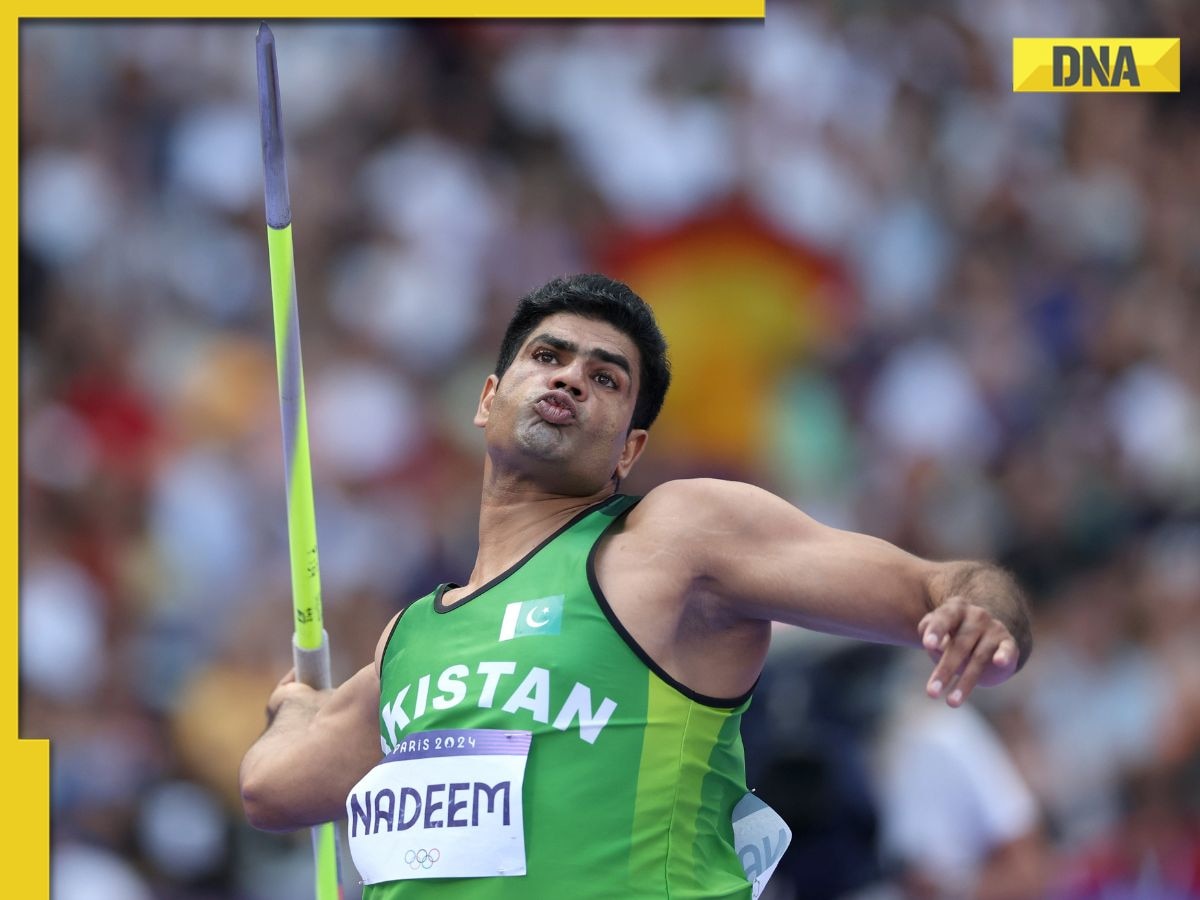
{"x":544,"y":444}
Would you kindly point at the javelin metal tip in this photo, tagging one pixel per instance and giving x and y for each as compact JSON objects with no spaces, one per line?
{"x":279,"y":207}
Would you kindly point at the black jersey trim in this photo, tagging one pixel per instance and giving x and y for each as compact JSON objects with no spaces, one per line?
{"x":606,"y":608}
{"x":439,"y":607}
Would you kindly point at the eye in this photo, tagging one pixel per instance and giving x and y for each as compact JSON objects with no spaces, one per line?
{"x":605,"y":379}
{"x":543,"y":355}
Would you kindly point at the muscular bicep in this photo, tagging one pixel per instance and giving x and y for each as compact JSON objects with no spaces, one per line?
{"x":762,"y":558}
{"x":350,"y":718}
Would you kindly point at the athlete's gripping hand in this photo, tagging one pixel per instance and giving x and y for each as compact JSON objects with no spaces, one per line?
{"x":296,"y":694}
{"x":316,"y":746}
{"x":969,"y":646}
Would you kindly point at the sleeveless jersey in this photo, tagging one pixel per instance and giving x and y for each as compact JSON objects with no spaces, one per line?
{"x":631,"y":778}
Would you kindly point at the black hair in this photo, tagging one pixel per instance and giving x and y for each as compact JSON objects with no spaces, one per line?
{"x":607,"y":300}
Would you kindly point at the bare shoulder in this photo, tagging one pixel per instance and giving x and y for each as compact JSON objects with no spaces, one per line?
{"x":689,"y":525}
{"x":655,"y":542}
{"x":686,"y":493}
{"x":655,"y":573}
{"x":704,"y":510}
{"x":688,"y":502}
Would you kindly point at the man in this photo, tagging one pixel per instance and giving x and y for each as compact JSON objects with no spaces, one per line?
{"x":566,"y":722}
{"x":956,"y":817}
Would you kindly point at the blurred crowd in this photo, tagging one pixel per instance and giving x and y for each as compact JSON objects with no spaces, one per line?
{"x":908,"y":300}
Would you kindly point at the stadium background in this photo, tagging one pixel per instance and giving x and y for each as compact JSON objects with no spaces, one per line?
{"x":899,"y":295}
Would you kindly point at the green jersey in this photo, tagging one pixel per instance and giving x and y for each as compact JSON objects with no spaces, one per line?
{"x":630,"y":778}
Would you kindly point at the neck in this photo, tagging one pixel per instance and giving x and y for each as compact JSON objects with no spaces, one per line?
{"x":515,"y":516}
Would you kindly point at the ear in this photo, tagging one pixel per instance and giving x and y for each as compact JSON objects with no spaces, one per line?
{"x":485,"y":400}
{"x":635,"y":443}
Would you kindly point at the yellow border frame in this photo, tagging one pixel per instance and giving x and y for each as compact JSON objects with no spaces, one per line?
{"x":25,"y":764}
{"x":445,"y":9}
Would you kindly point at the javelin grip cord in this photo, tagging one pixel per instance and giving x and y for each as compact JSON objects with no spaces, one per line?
{"x":312,"y":665}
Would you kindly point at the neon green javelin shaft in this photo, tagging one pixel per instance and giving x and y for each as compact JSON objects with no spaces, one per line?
{"x":302,"y":522}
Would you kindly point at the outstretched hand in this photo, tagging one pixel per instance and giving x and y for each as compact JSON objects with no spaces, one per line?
{"x":969,"y":647}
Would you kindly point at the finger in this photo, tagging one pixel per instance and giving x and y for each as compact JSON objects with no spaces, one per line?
{"x":937,"y":626}
{"x":944,"y":641}
{"x":980,"y":659}
{"x":1006,"y":654}
{"x":951,"y":685}
{"x":933,"y":639}
{"x":959,"y":649}
{"x":1004,"y":661}
{"x":282,"y":691}
{"x":927,"y":632}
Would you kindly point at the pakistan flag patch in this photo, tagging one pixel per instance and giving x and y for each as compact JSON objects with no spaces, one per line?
{"x":526,"y":618}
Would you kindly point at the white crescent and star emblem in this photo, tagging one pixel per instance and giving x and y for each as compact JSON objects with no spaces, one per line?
{"x":534,"y":622}
{"x":542,"y":616}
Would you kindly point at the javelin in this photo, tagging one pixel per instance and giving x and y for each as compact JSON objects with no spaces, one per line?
{"x":310,"y":643}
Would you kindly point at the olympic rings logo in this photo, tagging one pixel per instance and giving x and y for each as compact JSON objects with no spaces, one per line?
{"x":422,"y":859}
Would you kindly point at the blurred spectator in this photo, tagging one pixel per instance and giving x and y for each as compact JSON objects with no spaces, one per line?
{"x":957,"y":820}
{"x":1100,"y":708}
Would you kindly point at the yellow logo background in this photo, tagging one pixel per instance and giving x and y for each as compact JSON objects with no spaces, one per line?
{"x":1157,"y":61}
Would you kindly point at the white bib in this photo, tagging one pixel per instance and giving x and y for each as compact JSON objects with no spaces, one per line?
{"x":760,"y":836}
{"x":443,"y":804}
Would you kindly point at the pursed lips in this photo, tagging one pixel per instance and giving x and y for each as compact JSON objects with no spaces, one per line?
{"x":556,"y":407}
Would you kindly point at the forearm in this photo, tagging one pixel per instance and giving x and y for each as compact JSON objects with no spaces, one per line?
{"x":990,"y":587}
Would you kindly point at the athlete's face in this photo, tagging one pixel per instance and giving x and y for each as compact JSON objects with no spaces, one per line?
{"x":561,"y":412}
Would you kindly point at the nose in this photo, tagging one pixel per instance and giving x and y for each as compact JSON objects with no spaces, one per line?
{"x":570,"y":378}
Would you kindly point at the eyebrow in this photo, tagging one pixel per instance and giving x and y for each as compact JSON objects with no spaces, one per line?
{"x":613,"y":359}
